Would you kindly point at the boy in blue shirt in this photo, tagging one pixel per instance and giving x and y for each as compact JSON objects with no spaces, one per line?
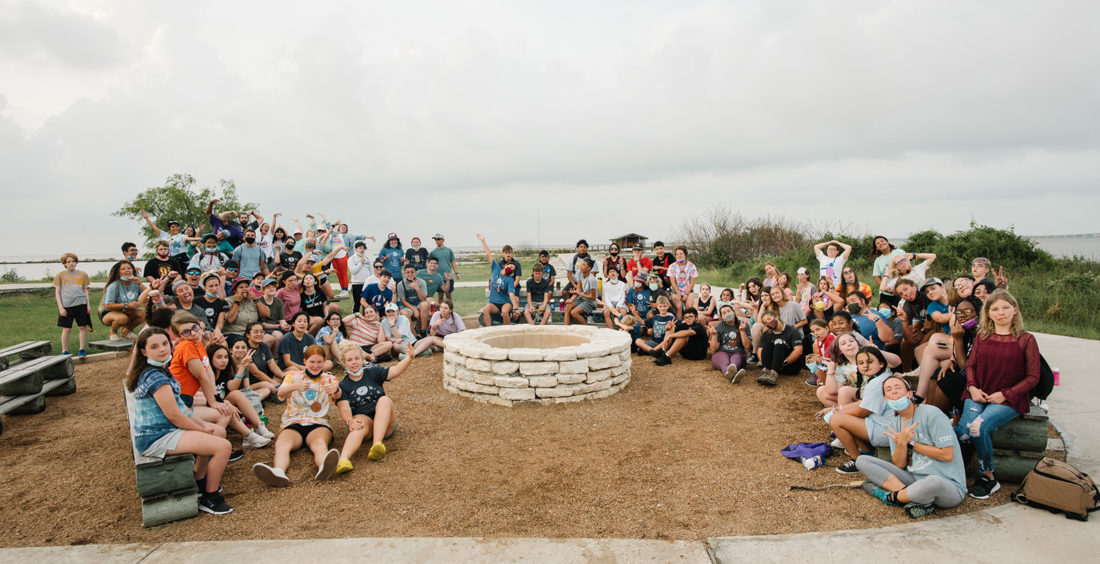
{"x":638,"y":298}
{"x":502,"y":290}
{"x":657,"y":326}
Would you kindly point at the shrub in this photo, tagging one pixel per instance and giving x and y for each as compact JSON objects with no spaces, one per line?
{"x":11,"y":277}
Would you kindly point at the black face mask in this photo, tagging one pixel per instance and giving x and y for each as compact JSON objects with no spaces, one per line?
{"x":249,"y":240}
{"x":614,"y":253}
{"x":853,"y":308}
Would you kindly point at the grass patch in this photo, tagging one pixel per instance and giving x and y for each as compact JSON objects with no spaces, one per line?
{"x":36,"y":313}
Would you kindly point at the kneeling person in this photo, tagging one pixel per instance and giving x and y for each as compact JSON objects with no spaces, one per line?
{"x":364,"y":406}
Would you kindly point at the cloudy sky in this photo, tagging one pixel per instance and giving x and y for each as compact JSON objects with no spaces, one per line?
{"x":544,"y":122}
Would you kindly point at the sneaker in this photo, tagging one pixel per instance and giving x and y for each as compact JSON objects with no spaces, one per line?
{"x":660,"y":358}
{"x":214,"y":504}
{"x":344,"y":466}
{"x":236,"y":455}
{"x":66,"y":353}
{"x":201,"y":485}
{"x":811,"y":381}
{"x":274,"y":477}
{"x":879,"y":493}
{"x":644,"y":353}
{"x":264,"y":432}
{"x":114,"y":337}
{"x":729,"y":372}
{"x":752,"y":359}
{"x":918,"y":510}
{"x":767,"y":378}
{"x":255,"y":440}
{"x":847,"y":468}
{"x":377,"y":451}
{"x":328,"y":466}
{"x":984,"y":487}
{"x":342,"y":294}
{"x":81,"y":354}
{"x":837,"y":444}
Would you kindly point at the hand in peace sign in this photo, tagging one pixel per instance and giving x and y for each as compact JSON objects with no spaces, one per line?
{"x":904,"y":436}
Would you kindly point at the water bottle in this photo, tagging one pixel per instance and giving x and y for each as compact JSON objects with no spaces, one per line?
{"x":812,"y":462}
{"x":1057,"y":375}
{"x":976,"y":427}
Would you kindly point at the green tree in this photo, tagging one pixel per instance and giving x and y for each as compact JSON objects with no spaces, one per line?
{"x":178,"y":199}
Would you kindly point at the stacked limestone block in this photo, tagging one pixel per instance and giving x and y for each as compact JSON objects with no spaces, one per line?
{"x":505,"y":365}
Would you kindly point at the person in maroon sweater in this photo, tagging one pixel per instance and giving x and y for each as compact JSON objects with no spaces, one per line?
{"x":1002,"y":368}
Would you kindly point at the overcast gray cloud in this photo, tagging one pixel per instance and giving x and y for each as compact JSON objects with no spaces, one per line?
{"x":578,"y":119}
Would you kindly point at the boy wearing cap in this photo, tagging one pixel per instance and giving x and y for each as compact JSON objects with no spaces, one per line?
{"x":502,"y":290}
{"x":185,"y":298}
{"x":539,"y":292}
{"x":639,"y":263}
{"x":209,"y":259}
{"x":447,"y":265}
{"x":638,"y":297}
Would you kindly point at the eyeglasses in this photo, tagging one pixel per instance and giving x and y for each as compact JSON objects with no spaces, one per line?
{"x":377,"y":267}
{"x":190,"y":331}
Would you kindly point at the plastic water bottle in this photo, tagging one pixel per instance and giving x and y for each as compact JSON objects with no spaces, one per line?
{"x":812,"y":462}
{"x":1057,"y":375}
{"x":976,"y":427}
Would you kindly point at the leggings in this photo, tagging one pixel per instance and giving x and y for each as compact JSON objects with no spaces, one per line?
{"x":721,"y":360}
{"x":929,"y":489}
{"x":356,"y":293}
{"x":775,"y":351}
{"x":341,"y":266}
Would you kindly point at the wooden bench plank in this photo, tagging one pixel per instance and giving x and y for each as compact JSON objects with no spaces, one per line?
{"x":22,"y":405}
{"x":167,"y":509}
{"x":109,"y":345}
{"x":26,"y":378}
{"x":25,"y":350}
{"x":54,"y":388}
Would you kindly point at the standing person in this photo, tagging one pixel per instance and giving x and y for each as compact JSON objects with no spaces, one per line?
{"x":926,"y":468}
{"x":638,"y":264}
{"x":1001,"y":370}
{"x":502,"y":290}
{"x":780,"y":349}
{"x":539,"y":293}
{"x":124,"y":298}
{"x":728,"y":340}
{"x":71,"y":294}
{"x":164,"y":426}
{"x":250,"y":256}
{"x":831,"y":256}
{"x":661,"y":262}
{"x":882,"y":251}
{"x":416,"y":255}
{"x":290,"y":256}
{"x":162,"y":266}
{"x":340,"y":242}
{"x":310,"y":393}
{"x":392,"y":256}
{"x":447,"y":265}
{"x":364,"y":406}
{"x":359,"y":267}
{"x":226,"y":221}
{"x":682,"y":273}
{"x":615,"y":261}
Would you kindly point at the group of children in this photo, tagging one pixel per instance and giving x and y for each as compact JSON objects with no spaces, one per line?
{"x":963,"y":340}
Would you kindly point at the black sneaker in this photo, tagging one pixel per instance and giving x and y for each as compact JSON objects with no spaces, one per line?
{"x":811,"y":381}
{"x":918,"y":510}
{"x":236,"y":455}
{"x":847,"y":468}
{"x":214,"y":504}
{"x":660,"y":358}
{"x":201,"y":484}
{"x":752,"y":359}
{"x":984,"y":487}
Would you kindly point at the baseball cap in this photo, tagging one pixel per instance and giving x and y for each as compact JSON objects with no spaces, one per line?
{"x":931,"y":282}
{"x":438,"y":236}
{"x":391,"y":236}
{"x":193,"y":270}
{"x":209,"y":236}
{"x":639,"y":247}
{"x":267,"y":282}
{"x":173,"y":222}
{"x":391,"y":307}
{"x":802,"y":270}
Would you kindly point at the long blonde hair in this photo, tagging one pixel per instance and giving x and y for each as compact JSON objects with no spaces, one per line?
{"x":986,"y":327}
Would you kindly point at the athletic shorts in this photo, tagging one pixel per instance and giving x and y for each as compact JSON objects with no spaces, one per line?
{"x":77,"y":313}
{"x":168,"y":441}
{"x":305,"y":430}
{"x":586,"y":305}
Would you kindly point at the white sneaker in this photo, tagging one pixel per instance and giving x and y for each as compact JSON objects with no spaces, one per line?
{"x":264,"y":432}
{"x":328,"y":466}
{"x":343,"y":294}
{"x":270,"y":475}
{"x":255,"y":440}
{"x":837,"y":444}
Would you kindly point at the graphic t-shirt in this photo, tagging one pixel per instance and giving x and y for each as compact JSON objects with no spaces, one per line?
{"x":377,"y":298}
{"x":831,"y":268}
{"x":212,"y":310}
{"x":933,"y":429}
{"x":639,"y":299}
{"x":657,"y":323}
{"x":309,"y":406}
{"x":417,"y":257}
{"x":729,"y":336}
{"x":391,"y":260}
{"x":158,"y":268}
{"x":500,"y":287}
{"x":363,"y":394}
{"x":682,"y":275}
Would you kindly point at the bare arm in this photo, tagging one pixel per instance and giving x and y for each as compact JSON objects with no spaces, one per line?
{"x":166,"y":401}
{"x":485,"y":247}
{"x":847,"y":249}
{"x":153,"y":226}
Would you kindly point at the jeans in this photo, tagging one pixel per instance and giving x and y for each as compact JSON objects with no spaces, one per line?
{"x":993,"y":416}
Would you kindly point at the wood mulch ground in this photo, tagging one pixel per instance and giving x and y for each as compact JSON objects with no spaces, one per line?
{"x":679,"y":454}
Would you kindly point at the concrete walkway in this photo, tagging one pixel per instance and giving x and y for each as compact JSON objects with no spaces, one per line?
{"x":1005,"y":533}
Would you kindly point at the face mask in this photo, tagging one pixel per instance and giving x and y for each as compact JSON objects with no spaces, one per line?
{"x":899,"y":404}
{"x":729,"y":317}
{"x":357,"y":373}
{"x":211,"y":295}
{"x":653,"y":287}
{"x":162,"y":252}
{"x":772,"y":324}
{"x":885,"y":311}
{"x":853,"y":308}
{"x":681,"y":261}
{"x":249,"y":240}
{"x":614,"y":253}
{"x":160,"y":364}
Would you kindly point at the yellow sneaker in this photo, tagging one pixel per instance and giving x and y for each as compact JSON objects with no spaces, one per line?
{"x":344,"y":466}
{"x":377,"y":451}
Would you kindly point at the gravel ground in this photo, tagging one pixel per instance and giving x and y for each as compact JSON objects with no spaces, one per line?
{"x":679,"y":454}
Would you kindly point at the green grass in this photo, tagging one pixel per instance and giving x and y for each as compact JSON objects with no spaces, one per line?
{"x":33,"y":317}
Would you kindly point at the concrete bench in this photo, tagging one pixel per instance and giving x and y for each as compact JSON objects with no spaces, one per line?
{"x":23,"y":351}
{"x":1017,"y":446}
{"x":166,"y":486}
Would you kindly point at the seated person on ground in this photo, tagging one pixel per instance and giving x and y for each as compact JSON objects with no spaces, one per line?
{"x":780,"y":349}
{"x":294,"y":344}
{"x":364,"y":406}
{"x":377,"y":295}
{"x":264,"y":371}
{"x":728,"y":339}
{"x":446,"y":321}
{"x":688,"y":338}
{"x":365,"y":330}
{"x":861,"y":426}
{"x":310,"y":393}
{"x":926,"y":469}
{"x":657,"y":326}
{"x":331,"y":335}
{"x":704,"y":303}
{"x":638,"y":298}
{"x":399,"y":332}
{"x":230,"y":381}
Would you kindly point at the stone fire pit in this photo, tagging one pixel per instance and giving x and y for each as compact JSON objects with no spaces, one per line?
{"x":549,"y":364}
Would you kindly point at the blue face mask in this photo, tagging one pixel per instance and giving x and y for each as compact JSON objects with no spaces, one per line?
{"x":653,"y":287}
{"x":211,"y":295}
{"x":160,"y":364}
{"x":357,"y":373}
{"x":899,"y":404}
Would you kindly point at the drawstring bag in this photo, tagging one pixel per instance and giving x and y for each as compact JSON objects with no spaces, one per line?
{"x":798,"y":451}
